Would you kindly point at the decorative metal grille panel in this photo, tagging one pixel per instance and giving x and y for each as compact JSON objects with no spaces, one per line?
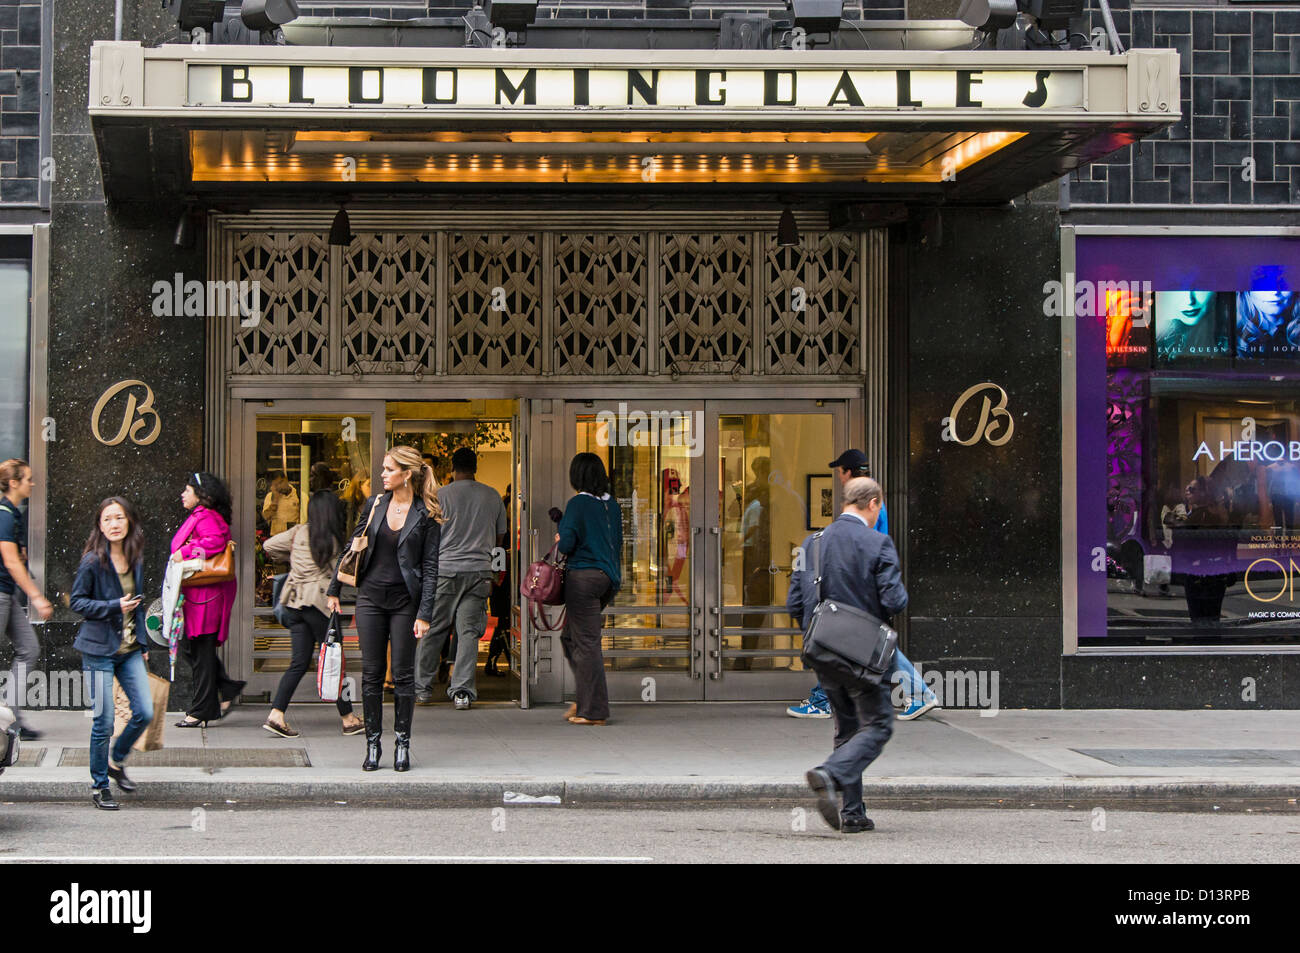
{"x":292,"y":272}
{"x":600,"y":304}
{"x":495,"y":311}
{"x":813,"y":305}
{"x":565,"y":304}
{"x":706,"y":301}
{"x":390,"y":304}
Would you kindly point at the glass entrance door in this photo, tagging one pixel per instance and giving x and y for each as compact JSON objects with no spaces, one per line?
{"x":277,"y":469}
{"x":774,"y":489}
{"x":716,"y":498}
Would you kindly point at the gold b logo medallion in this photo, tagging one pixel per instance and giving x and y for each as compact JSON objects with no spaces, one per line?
{"x":135,"y":415}
{"x":996,"y":425}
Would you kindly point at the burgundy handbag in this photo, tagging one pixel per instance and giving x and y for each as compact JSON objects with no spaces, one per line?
{"x":543,"y":585}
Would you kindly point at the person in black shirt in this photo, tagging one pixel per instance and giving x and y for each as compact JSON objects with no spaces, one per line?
{"x":15,"y":488}
{"x":396,"y":582}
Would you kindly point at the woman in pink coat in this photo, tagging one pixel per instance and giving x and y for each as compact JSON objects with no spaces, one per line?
{"x":207,"y":609}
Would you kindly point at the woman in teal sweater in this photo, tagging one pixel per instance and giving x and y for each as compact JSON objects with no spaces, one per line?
{"x":591,"y":536}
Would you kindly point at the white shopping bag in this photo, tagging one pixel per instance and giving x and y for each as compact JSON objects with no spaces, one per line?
{"x":330,"y":664}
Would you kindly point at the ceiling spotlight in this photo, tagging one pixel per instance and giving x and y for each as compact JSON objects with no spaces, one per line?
{"x":265,"y":15}
{"x":988,"y":15}
{"x":787,"y":232}
{"x":1039,"y":17}
{"x":1053,"y":14}
{"x":510,"y":15}
{"x":184,"y":237}
{"x":817,"y":16}
{"x":196,"y":14}
{"x":341,"y":230}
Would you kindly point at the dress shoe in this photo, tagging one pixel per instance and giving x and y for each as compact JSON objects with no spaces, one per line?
{"x":123,"y":782}
{"x":856,"y":825}
{"x":103,"y":799}
{"x":827,"y":791}
{"x":185,"y":723}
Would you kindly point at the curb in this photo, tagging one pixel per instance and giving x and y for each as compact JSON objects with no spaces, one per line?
{"x":1151,"y":793}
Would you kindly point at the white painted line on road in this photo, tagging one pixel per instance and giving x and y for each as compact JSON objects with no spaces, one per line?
{"x":233,"y":858}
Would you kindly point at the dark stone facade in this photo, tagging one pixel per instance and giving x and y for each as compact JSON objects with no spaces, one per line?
{"x":102,"y":331}
{"x":1240,"y":101}
{"x":21,"y":35}
{"x":982,"y":522}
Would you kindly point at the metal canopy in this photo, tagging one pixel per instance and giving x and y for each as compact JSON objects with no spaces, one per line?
{"x":953,"y":126}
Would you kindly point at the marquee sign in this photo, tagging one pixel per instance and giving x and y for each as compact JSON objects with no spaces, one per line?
{"x":448,"y":87}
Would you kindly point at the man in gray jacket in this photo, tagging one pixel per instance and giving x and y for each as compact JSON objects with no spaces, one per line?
{"x":859,"y":568}
{"x":476,"y":521}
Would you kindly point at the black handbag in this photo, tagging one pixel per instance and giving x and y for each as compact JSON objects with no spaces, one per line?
{"x":277,"y":610}
{"x":847,"y":643}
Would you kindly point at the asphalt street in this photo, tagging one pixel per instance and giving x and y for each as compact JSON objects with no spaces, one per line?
{"x":342,"y":832}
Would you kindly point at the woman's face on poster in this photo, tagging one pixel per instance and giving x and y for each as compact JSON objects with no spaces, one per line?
{"x":1270,"y":303}
{"x":1189,"y":306}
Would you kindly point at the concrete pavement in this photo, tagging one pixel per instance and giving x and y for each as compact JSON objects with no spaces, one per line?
{"x":720,"y":753}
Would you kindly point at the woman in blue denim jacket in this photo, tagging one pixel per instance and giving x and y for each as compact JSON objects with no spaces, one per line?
{"x":108,"y":594}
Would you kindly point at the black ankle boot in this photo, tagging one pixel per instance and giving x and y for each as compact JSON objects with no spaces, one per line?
{"x":372,"y":704}
{"x":403,"y":708}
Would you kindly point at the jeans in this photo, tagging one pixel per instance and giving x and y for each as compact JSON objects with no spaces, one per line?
{"x":912,"y":683}
{"x":307,"y":628}
{"x":27,"y":650}
{"x":586,"y":593}
{"x":864,"y":721}
{"x":460,"y":604}
{"x":134,"y":677}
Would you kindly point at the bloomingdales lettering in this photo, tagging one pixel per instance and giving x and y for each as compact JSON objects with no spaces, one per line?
{"x":464,"y":86}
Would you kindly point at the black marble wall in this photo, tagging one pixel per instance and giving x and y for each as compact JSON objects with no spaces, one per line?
{"x":103,"y":331}
{"x":984,"y":521}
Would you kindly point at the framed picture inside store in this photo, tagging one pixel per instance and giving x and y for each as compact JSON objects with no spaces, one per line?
{"x":821,"y":500}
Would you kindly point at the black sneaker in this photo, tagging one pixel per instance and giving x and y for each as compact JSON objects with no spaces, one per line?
{"x":123,"y":782}
{"x":856,"y":825}
{"x":103,"y":799}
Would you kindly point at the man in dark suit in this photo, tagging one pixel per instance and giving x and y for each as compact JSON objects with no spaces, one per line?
{"x":859,"y":567}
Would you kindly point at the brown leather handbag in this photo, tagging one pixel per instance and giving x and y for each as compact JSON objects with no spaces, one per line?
{"x":218,"y":568}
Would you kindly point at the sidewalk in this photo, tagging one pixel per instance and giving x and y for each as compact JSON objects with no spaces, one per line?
{"x":728,"y":753}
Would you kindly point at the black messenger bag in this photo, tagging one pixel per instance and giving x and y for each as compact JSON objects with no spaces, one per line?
{"x":847,"y":643}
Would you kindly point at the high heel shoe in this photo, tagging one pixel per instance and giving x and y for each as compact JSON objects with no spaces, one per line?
{"x":374,"y":751}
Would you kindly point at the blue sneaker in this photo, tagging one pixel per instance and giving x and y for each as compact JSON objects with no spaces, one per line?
{"x":916,"y":708}
{"x":808,"y":709}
